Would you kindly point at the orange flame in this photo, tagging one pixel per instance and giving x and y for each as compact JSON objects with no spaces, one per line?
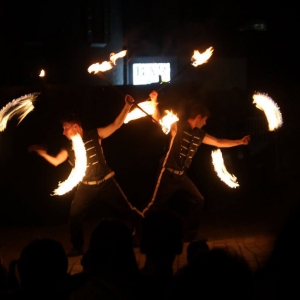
{"x":136,"y":113}
{"x":221,"y":170}
{"x":78,"y":171}
{"x":115,"y":56}
{"x":42,"y":73}
{"x":270,"y":108}
{"x":201,"y":58}
{"x":106,"y":65}
{"x":167,"y":121}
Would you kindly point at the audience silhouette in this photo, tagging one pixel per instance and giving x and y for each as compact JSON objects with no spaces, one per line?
{"x":109,"y":265}
{"x":218,"y":273}
{"x":41,"y":272}
{"x":161,"y":241}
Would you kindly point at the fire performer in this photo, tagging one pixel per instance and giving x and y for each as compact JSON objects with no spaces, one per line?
{"x":98,"y":183}
{"x":185,"y":138}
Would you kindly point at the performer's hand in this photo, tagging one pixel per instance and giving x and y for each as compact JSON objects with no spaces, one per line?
{"x":129,"y":99}
{"x":37,"y":148}
{"x":246,"y":140}
{"x":153,"y":96}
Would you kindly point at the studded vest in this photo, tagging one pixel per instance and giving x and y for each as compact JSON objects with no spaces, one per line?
{"x":97,"y":167}
{"x":184,"y":147}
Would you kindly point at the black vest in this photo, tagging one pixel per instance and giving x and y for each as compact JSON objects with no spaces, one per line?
{"x":184,"y":147}
{"x":97,"y":167}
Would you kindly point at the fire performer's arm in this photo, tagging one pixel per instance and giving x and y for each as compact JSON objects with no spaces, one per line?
{"x":225,"y":143}
{"x":105,"y":132}
{"x":53,"y":160}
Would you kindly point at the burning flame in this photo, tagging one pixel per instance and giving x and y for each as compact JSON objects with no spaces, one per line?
{"x":115,"y":56}
{"x":221,"y":170}
{"x":22,"y":106}
{"x":136,"y":113}
{"x":42,"y":73}
{"x":201,"y":58}
{"x":106,"y":65}
{"x":78,"y":171}
{"x":167,"y":121}
{"x":270,"y":108}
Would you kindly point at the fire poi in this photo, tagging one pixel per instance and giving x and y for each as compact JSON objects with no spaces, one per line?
{"x":270,"y":108}
{"x":78,"y":171}
{"x":224,"y":175}
{"x":22,"y":106}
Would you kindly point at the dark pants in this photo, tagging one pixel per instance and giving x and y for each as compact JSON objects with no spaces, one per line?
{"x":170,"y":185}
{"x":86,"y":198}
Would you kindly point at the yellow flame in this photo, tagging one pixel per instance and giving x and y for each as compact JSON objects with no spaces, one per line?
{"x":201,"y":58}
{"x":78,"y":171}
{"x":22,"y":106}
{"x":270,"y":108}
{"x":136,"y":113}
{"x":167,"y":121}
{"x":105,"y":66}
{"x":221,"y":170}
{"x":115,"y":56}
{"x":42,"y":73}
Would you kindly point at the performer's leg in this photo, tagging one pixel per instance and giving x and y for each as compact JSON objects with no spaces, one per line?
{"x":195,"y":207}
{"x":166,"y":186}
{"x":119,"y":206}
{"x":81,"y":202}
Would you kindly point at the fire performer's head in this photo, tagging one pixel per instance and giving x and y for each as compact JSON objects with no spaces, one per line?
{"x":71,"y":125}
{"x":198,"y":115}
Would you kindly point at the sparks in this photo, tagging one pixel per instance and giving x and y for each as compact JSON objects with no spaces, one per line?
{"x":136,"y":113}
{"x":167,"y":121}
{"x":22,"y":106}
{"x":270,"y":108}
{"x":78,"y":171}
{"x":201,"y":58}
{"x":221,"y":170}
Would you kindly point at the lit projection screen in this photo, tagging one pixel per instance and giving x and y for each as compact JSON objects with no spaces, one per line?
{"x":147,"y":73}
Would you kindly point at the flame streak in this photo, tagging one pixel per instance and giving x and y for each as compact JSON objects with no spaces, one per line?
{"x":167,"y":121}
{"x":106,"y":65}
{"x":78,"y":171}
{"x":201,"y":58}
{"x":22,"y":106}
{"x":136,"y":113}
{"x":270,"y":108}
{"x":115,"y":56}
{"x":221,"y":170}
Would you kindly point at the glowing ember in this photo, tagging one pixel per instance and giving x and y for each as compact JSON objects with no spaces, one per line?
{"x":136,"y":113}
{"x":22,"y":106}
{"x":105,"y":66}
{"x":78,"y":171}
{"x":167,"y":121}
{"x":115,"y":56}
{"x":270,"y":108}
{"x":42,"y":73}
{"x":221,"y":170}
{"x":201,"y":58}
